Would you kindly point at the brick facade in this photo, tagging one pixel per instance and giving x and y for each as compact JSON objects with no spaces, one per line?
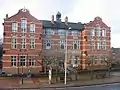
{"x":87,"y":38}
{"x":84,"y":37}
{"x":8,"y":52}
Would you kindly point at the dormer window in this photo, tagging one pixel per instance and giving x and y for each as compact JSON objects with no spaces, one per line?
{"x":61,"y":32}
{"x":75,"y":33}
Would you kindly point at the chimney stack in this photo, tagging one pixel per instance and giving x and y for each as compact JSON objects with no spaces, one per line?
{"x":66,"y":20}
{"x":52,"y":21}
{"x":6,"y":16}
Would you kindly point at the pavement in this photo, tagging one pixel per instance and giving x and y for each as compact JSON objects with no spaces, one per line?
{"x":34,"y":83}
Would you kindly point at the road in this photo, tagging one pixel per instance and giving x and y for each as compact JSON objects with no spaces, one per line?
{"x":115,"y":86}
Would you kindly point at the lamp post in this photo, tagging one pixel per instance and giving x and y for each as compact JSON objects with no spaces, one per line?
{"x":22,"y":68}
{"x":22,"y":63}
{"x":66,"y":51}
{"x":18,"y":63}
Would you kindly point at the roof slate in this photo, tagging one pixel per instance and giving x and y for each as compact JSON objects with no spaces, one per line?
{"x":62,"y":25}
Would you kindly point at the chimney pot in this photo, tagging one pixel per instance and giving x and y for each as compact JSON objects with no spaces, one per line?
{"x":66,"y":20}
{"x":52,"y":21}
{"x":6,"y":16}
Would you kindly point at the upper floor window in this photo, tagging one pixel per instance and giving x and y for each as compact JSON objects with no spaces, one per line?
{"x":23,"y":43}
{"x":75,"y":33}
{"x":103,"y":32}
{"x":13,"y":43}
{"x":61,"y":32}
{"x":92,"y":32}
{"x":32,"y":43}
{"x":48,"y":32}
{"x":98,"y":30}
{"x":92,"y":44}
{"x":62,"y":44}
{"x":14,"y":27}
{"x":23,"y":25}
{"x":98,"y":44}
{"x":76,"y":44}
{"x":13,"y":61}
{"x":32,"y":28}
{"x":22,"y":60}
{"x":47,"y":44}
{"x":104,"y":44}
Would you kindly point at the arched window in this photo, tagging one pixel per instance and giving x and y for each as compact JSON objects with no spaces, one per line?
{"x":48,"y":44}
{"x":75,"y":46}
{"x":62,"y":44}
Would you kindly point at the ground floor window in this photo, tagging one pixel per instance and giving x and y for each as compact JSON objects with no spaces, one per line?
{"x":13,"y":61}
{"x":31,"y":61}
{"x":22,"y":60}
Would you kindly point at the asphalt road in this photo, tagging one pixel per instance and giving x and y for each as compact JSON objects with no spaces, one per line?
{"x":115,"y":86}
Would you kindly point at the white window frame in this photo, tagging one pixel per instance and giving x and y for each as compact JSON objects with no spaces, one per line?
{"x":14,"y":26}
{"x":74,"y":33}
{"x":23,"y":43}
{"x":23,"y":62}
{"x":14,"y":42}
{"x":77,"y":42}
{"x":98,"y":30}
{"x":23,"y":25}
{"x":32,"y":43}
{"x":13,"y":61}
{"x":98,"y":44}
{"x":32,"y":28}
{"x":31,"y":60}
{"x":104,"y":32}
{"x":104,"y":44}
{"x":92,"y":32}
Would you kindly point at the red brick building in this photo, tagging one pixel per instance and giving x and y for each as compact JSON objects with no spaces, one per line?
{"x":25,"y":36}
{"x":21,"y":43}
{"x":96,"y":42}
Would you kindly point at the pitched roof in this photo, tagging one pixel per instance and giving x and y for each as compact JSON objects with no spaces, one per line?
{"x":22,"y":14}
{"x":62,"y":25}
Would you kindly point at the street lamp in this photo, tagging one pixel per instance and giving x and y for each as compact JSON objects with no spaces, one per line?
{"x":22,"y":68}
{"x":66,"y":51}
{"x":18,"y":64}
{"x":22,"y":63}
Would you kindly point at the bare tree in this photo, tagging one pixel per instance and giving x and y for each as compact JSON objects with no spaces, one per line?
{"x":51,"y":58}
{"x":91,"y":60}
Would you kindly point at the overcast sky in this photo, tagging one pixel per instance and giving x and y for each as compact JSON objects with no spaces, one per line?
{"x":76,"y":10}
